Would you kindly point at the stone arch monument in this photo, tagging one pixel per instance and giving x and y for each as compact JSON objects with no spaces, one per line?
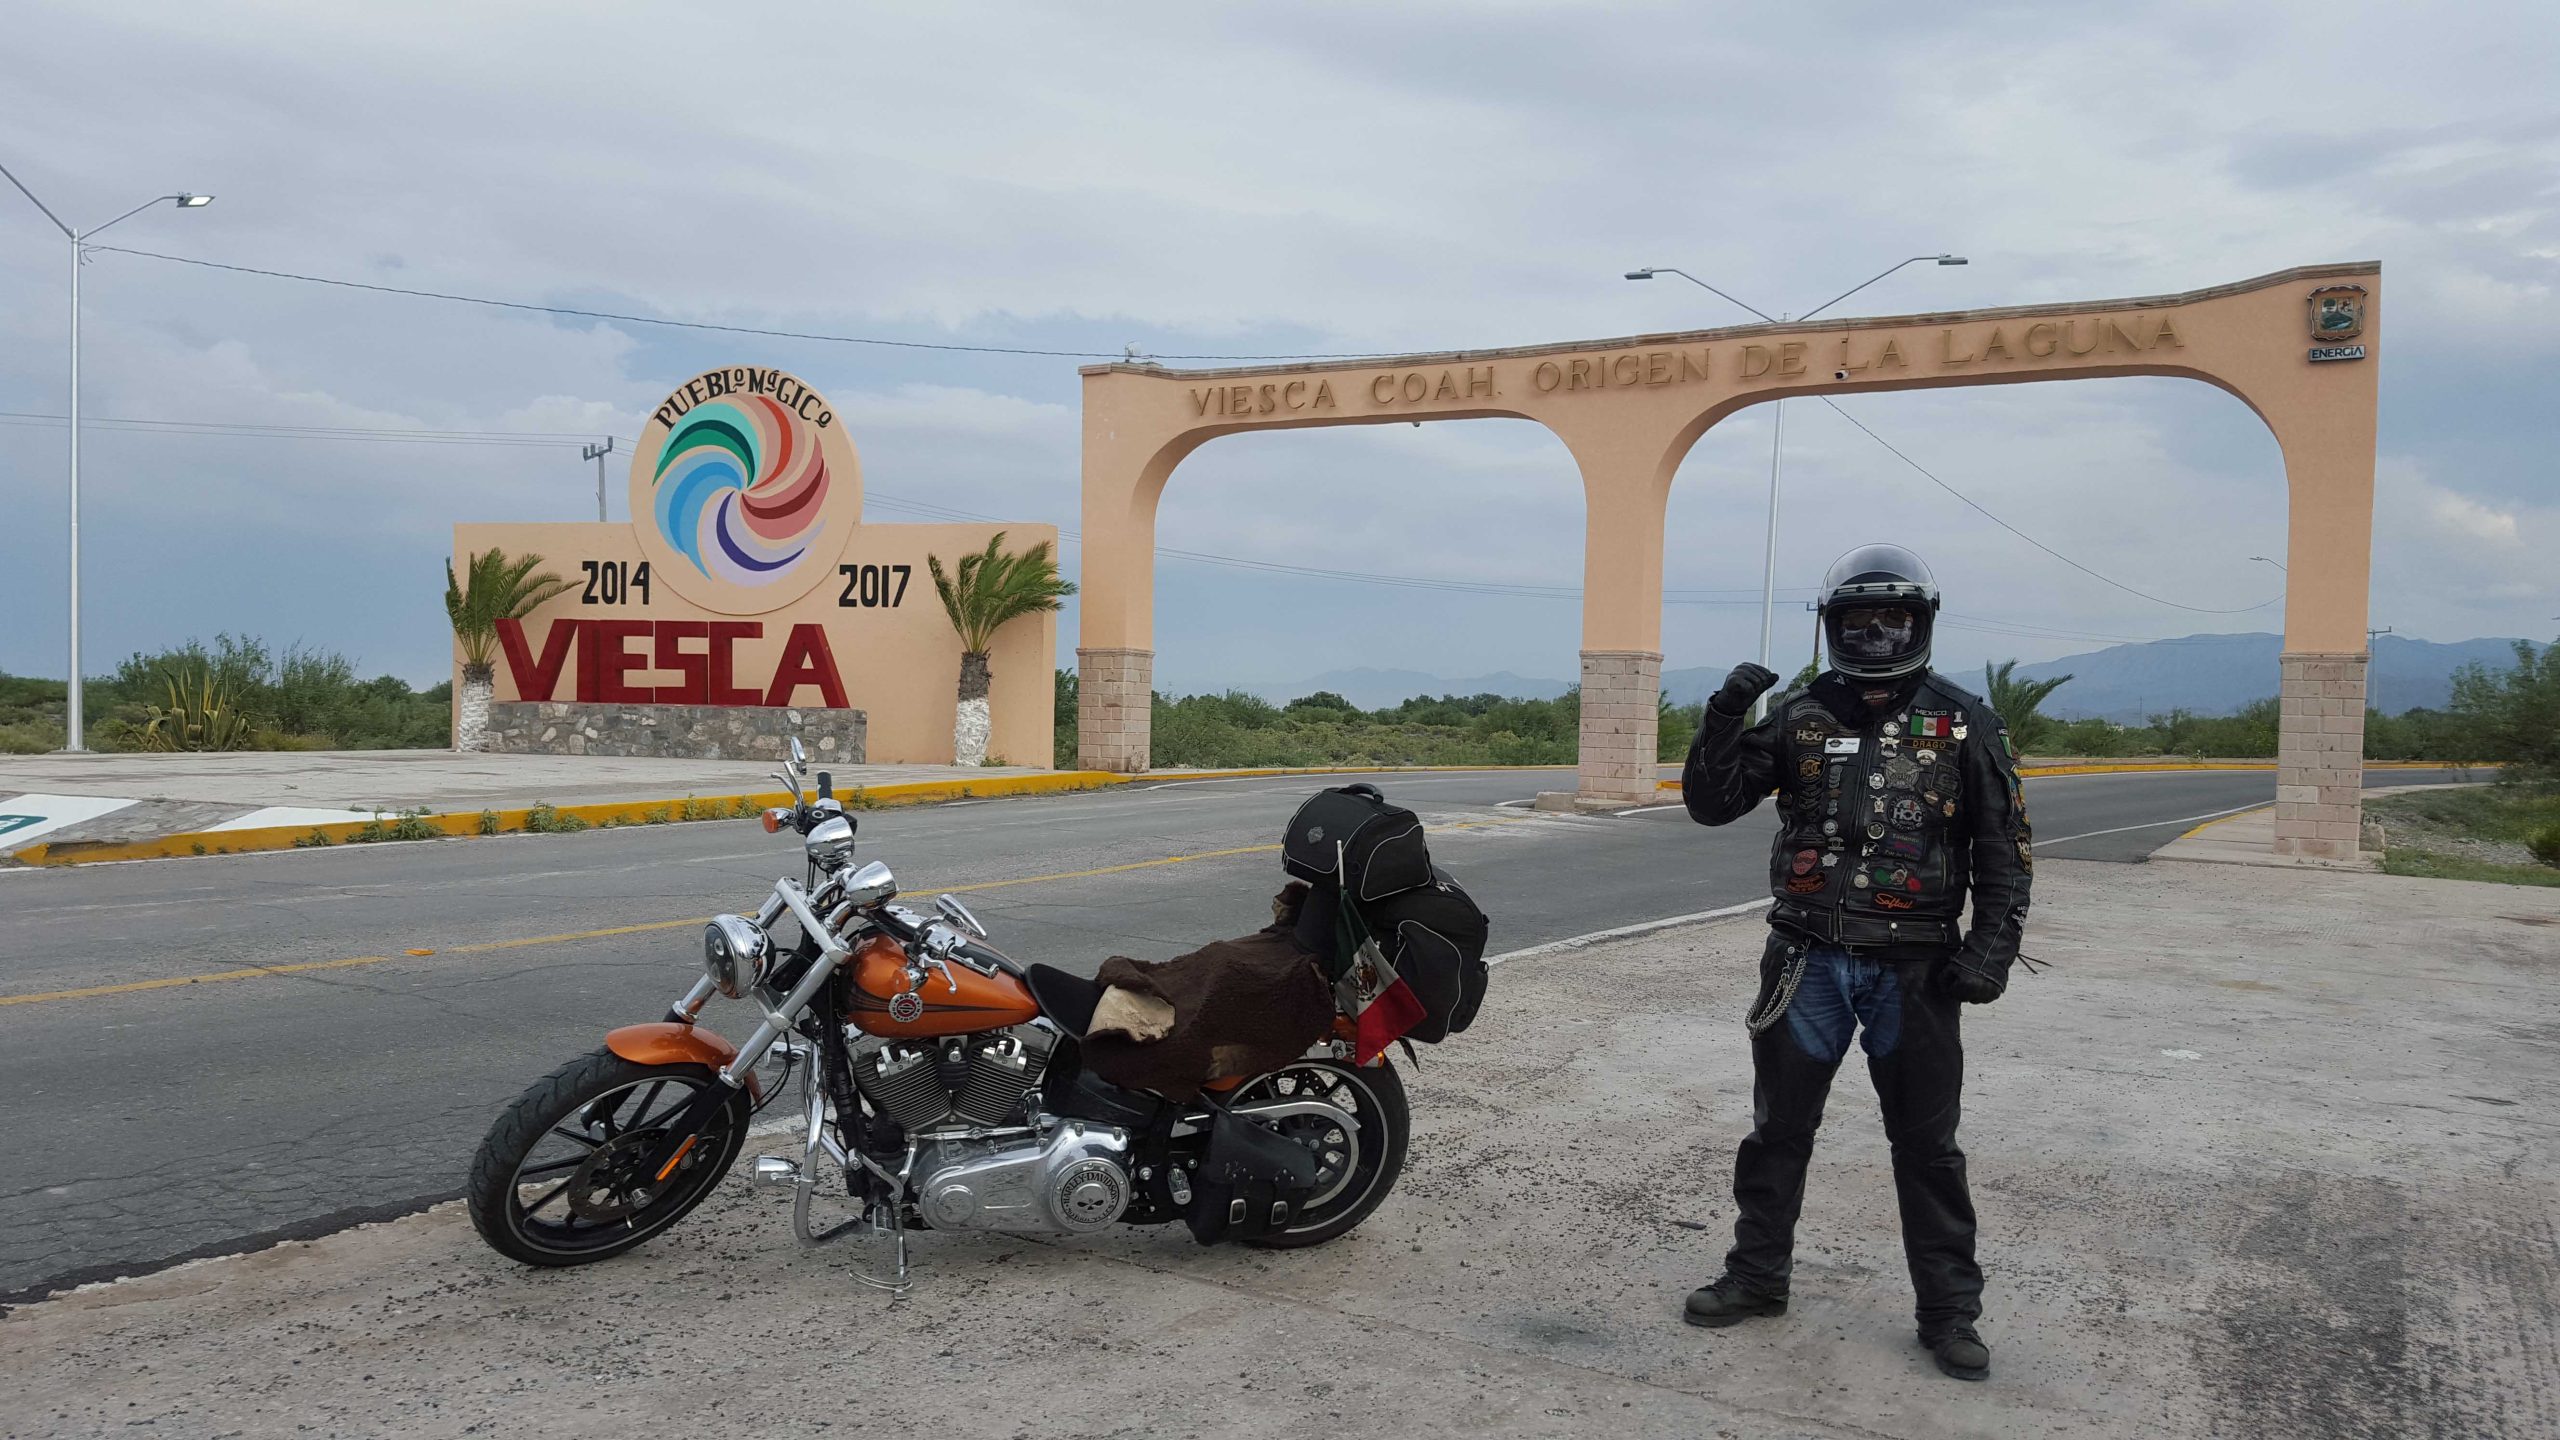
{"x":2297,"y":347}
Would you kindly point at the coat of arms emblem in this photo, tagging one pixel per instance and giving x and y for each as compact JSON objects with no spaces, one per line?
{"x":2337,"y":313}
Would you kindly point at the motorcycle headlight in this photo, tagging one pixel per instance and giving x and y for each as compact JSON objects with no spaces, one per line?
{"x":830,"y":843}
{"x":734,"y":954}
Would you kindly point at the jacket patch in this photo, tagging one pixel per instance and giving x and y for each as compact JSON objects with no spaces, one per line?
{"x":1840,"y":745}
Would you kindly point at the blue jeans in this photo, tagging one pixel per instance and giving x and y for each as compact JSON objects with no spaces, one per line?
{"x":1841,"y":993}
{"x":1915,"y":1056}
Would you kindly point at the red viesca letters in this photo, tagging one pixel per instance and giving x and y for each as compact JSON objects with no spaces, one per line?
{"x":607,"y":656}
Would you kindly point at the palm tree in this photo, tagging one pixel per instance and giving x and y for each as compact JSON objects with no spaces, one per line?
{"x":500,"y":589}
{"x":2015,"y":701}
{"x":986,"y":591}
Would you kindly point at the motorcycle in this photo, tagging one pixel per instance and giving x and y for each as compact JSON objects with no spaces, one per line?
{"x":939,"y":1081}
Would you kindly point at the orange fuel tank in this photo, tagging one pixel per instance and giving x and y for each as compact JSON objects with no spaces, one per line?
{"x":882,"y":1004}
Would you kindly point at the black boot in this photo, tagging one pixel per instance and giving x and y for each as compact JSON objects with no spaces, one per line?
{"x":1960,"y":1352}
{"x":1729,"y":1302}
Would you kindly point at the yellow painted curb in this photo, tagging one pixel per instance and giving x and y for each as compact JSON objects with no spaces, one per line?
{"x":510,"y":822}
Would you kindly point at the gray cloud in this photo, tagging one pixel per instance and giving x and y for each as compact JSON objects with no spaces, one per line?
{"x":1193,"y":178}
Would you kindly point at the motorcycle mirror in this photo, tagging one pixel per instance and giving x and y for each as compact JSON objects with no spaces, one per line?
{"x":959,"y":914}
{"x":799,"y":757}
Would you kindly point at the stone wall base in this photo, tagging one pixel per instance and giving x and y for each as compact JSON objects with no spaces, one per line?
{"x":1621,"y":714}
{"x":2320,"y":755}
{"x":686,"y":732}
{"x":1115,"y":709}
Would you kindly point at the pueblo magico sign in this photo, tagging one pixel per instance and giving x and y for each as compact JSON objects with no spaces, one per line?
{"x":746,"y":577}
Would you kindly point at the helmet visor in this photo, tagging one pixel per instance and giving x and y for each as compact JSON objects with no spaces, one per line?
{"x":1874,"y":632}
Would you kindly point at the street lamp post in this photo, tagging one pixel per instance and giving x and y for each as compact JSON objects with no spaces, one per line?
{"x":73,"y":729}
{"x":1778,"y":429}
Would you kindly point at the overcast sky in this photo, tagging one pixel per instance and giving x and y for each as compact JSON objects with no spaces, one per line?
{"x":1192,"y":178}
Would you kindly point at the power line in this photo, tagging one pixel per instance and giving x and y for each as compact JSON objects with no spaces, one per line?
{"x":2030,"y":539}
{"x":707,"y":326}
{"x":520,"y":438}
{"x":702,"y":324}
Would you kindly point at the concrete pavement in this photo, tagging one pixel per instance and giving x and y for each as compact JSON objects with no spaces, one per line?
{"x":388,"y":998}
{"x":2266,"y":1153}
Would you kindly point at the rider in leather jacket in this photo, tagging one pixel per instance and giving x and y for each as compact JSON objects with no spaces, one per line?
{"x":1898,"y":798}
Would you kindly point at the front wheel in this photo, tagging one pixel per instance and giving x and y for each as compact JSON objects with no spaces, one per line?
{"x":558,"y":1180}
{"x":1354,"y":1172}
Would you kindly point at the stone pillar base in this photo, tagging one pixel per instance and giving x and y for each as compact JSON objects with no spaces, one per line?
{"x":1115,"y":709}
{"x":1621,"y":696}
{"x":2320,"y":755}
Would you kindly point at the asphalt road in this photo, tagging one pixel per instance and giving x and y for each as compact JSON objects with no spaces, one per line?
{"x":152,"y":1123}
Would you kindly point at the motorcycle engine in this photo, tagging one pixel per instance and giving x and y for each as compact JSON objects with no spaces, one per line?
{"x":1075,"y":1179}
{"x":975,"y":1080}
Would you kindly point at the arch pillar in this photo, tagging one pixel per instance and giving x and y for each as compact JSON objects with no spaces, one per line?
{"x":2328,"y":463}
{"x":1626,"y":494}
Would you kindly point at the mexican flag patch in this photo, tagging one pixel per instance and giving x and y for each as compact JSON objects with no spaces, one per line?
{"x":1930,"y":726}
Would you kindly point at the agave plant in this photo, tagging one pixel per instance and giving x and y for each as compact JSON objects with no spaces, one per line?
{"x":987,"y":590}
{"x":500,"y":588}
{"x":201,"y":714}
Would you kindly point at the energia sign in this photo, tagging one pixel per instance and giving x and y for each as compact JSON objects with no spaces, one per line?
{"x":746,"y":579}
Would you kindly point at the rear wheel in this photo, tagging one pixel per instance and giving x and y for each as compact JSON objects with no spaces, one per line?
{"x":560,"y":1179}
{"x":1354,"y":1172}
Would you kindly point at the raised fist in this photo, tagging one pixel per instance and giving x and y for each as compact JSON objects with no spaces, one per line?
{"x":1747,"y":683}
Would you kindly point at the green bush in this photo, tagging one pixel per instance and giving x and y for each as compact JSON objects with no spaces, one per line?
{"x":301,"y":700}
{"x":2544,"y":846}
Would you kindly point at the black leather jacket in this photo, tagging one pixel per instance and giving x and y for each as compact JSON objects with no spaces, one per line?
{"x":1887,"y":817}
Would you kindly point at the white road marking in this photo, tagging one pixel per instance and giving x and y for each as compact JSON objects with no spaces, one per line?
{"x":1643,"y":927}
{"x":2150,"y":825}
{"x":1654,"y":809}
{"x":275,"y":815}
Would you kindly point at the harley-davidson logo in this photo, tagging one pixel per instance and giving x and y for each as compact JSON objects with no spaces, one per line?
{"x":906,"y":1007}
{"x":2336,"y":313}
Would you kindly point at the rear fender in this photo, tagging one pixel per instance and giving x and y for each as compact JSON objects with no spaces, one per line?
{"x":664,"y":1042}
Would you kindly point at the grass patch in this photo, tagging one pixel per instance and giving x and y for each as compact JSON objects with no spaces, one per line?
{"x":2403,"y":859}
{"x":400,"y":825}
{"x":2496,"y":833}
{"x":544,"y":819}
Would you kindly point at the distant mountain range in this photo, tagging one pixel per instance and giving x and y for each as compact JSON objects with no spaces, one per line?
{"x":1373,"y":689}
{"x":2203,"y":674}
{"x":2218,"y":674}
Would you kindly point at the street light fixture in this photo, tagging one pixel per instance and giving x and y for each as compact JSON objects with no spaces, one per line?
{"x":2277,"y":563}
{"x":73,"y":729}
{"x":1778,"y":425}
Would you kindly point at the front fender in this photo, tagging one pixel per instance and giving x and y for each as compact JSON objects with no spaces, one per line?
{"x":664,"y":1042}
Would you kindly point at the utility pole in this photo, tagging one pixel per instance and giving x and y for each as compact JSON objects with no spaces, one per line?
{"x":2372,"y":681}
{"x":74,"y":727}
{"x":597,"y":454}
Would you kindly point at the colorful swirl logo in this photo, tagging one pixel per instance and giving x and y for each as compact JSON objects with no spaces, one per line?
{"x":741,"y":490}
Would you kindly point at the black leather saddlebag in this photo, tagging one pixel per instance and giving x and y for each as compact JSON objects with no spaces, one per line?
{"x":1249,"y":1183}
{"x":1352,"y":837}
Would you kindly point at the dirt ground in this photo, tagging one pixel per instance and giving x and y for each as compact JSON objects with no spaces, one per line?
{"x":2267,"y":1153}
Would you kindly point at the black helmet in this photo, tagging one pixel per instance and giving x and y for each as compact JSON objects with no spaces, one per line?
{"x":1879,"y":605}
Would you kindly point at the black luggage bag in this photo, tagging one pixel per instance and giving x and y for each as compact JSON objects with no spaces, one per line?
{"x":1434,"y":936}
{"x":1351,"y":837}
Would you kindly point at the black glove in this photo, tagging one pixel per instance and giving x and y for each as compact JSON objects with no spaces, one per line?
{"x":1747,"y":683}
{"x":1960,"y":982}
